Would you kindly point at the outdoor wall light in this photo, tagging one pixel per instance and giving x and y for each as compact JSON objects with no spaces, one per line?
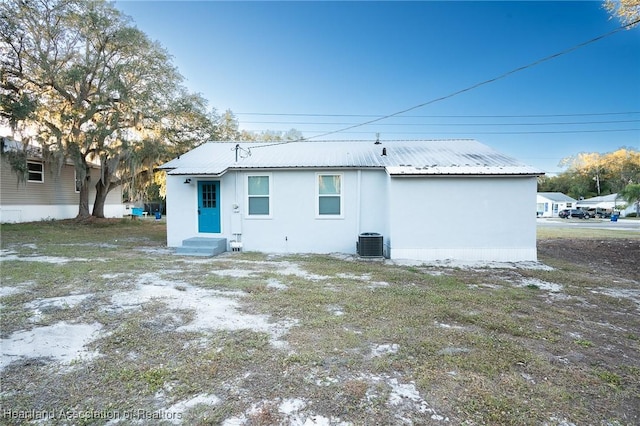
{"x":187,"y":181}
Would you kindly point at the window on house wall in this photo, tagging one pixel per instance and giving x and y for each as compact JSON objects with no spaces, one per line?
{"x":77,"y":181}
{"x":329,"y":192}
{"x":258,"y":195}
{"x":35,"y":171}
{"x":569,"y":205}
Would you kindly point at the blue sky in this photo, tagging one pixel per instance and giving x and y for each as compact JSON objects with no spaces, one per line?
{"x":344,"y":63}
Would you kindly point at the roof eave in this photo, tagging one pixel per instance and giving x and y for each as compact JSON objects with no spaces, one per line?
{"x":175,"y":171}
{"x":464,"y":174}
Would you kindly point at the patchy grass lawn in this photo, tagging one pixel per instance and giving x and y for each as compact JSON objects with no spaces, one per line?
{"x":101,"y":323}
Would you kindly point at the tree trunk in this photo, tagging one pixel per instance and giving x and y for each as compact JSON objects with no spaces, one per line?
{"x":103,"y":187}
{"x":102,"y":190}
{"x":83,"y":206}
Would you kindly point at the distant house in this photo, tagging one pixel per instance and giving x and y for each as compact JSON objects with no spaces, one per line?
{"x":548,"y":204}
{"x":423,"y":200}
{"x":47,"y":193}
{"x":609,"y":203}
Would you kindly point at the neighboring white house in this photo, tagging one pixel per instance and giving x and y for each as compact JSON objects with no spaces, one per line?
{"x":47,"y":193}
{"x":550,"y":203}
{"x":610,"y":202}
{"x":428,"y":200}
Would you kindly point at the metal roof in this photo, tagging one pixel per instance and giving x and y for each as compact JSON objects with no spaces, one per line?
{"x":604,"y":201}
{"x":556,"y":196}
{"x":424,"y":157}
{"x":602,"y":198}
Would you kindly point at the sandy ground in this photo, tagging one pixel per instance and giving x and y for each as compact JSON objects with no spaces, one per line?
{"x":64,"y":343}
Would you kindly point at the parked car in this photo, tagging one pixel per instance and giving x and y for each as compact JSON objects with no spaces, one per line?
{"x":568,"y":213}
{"x":599,"y":213}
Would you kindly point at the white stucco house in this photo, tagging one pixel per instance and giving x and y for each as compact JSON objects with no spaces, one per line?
{"x":425,"y":200}
{"x":550,"y":203}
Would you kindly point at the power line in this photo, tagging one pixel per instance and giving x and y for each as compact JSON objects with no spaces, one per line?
{"x":472,"y":87}
{"x":440,"y":116}
{"x":450,"y":124}
{"x":467,"y":133}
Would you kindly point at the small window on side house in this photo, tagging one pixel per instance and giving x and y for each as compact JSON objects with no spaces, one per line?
{"x":258,"y":196}
{"x":78,"y":181}
{"x":35,"y":172}
{"x":329,"y":192}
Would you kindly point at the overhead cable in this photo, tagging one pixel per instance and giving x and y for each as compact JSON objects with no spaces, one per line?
{"x":451,"y":124}
{"x":524,"y":132}
{"x":469,"y":88}
{"x":440,"y":116}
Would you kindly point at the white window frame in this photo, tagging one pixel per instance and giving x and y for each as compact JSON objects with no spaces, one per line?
{"x":76,"y":185}
{"x":248,"y":214}
{"x":29,"y":172}
{"x":318,"y":196}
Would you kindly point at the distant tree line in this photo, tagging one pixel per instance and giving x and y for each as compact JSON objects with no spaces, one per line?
{"x":81,"y":82}
{"x":593,"y":174}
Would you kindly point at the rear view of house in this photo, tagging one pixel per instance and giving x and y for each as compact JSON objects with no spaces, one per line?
{"x":424,"y":200}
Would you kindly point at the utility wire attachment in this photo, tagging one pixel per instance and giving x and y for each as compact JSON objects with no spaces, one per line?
{"x":241,"y":152}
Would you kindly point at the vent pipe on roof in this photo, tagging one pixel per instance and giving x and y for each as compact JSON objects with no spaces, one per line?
{"x":384,"y":151}
{"x":377,"y":139}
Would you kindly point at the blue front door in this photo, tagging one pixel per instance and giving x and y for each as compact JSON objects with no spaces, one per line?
{"x":209,"y":206}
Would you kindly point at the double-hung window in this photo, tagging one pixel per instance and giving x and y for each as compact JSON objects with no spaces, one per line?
{"x":35,"y":171}
{"x":259,"y":195}
{"x":329,"y":192}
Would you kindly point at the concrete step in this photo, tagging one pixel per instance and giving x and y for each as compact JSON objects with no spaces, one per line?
{"x":202,"y":246}
{"x":194,"y":251}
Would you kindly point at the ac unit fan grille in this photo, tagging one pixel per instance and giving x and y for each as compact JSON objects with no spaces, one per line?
{"x":370,"y":244}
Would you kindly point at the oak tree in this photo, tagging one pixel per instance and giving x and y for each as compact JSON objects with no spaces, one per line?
{"x":92,"y":88}
{"x":627,"y":11}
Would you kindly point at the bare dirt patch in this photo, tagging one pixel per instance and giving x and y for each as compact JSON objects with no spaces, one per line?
{"x":614,"y":257}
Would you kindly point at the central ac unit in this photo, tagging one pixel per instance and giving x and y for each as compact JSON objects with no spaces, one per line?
{"x":370,"y":244}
